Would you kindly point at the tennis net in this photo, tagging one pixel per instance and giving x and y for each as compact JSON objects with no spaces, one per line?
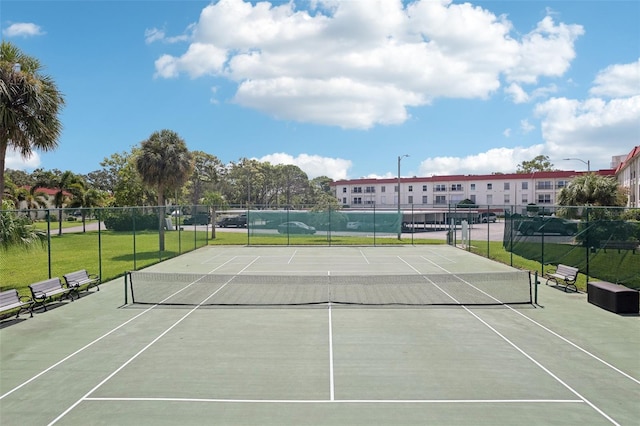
{"x":280,"y":290}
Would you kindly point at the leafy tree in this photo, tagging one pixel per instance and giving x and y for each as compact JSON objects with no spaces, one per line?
{"x":164,"y":163}
{"x":30,"y":104}
{"x":123,"y":181}
{"x":540,"y":163}
{"x":207,"y":172}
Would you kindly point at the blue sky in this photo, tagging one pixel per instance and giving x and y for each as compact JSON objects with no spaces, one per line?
{"x":341,"y":88}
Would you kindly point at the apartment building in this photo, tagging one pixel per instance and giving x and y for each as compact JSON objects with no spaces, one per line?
{"x":628,"y":175}
{"x":515,"y":189}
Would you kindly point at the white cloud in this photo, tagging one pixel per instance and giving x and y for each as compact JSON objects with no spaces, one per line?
{"x":507,"y":133}
{"x":596,"y":128}
{"x":14,"y":160}
{"x":357,"y":64}
{"x":502,"y":160}
{"x":526,"y":127}
{"x":618,"y":81}
{"x":23,"y":29}
{"x":151,"y":35}
{"x":313,"y":165}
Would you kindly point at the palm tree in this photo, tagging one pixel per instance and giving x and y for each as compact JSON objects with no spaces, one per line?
{"x":32,"y":198}
{"x":29,"y":106}
{"x":65,"y":185}
{"x":590,"y":190}
{"x":164,"y":163}
{"x":85,"y":199}
{"x":16,"y":230}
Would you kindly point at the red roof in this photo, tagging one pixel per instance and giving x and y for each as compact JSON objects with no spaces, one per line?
{"x":635,"y":152}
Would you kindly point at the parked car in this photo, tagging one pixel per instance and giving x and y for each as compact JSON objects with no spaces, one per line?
{"x":295,"y":228}
{"x":547,"y":225}
{"x":237,"y":221}
{"x":198,"y":219}
{"x":354,"y":225}
{"x":487,"y":217}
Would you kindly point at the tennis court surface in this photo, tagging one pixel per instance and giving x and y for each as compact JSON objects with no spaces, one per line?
{"x":322,"y":336}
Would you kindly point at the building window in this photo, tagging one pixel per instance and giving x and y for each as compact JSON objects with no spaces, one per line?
{"x":441,"y":199}
{"x":424,"y":188}
{"x":440,"y":188}
{"x":525,"y":199}
{"x":473,"y":186}
{"x":410,"y":188}
{"x":525,"y":185}
{"x":344,"y":200}
{"x":507,"y":186}
{"x":424,"y":199}
{"x":561,"y":184}
{"x":369,"y":202}
{"x":473,"y":199}
{"x":383,"y":189}
{"x":507,"y":199}
{"x":395,"y":188}
{"x":370,"y":189}
{"x":344,"y":190}
{"x":357,"y":189}
{"x":410,"y":199}
{"x":544,"y":198}
{"x":489,"y":186}
{"x":456,"y":187}
{"x":545,"y":184}
{"x":357,"y":200}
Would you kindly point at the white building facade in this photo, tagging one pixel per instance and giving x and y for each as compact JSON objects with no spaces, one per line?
{"x":517,"y":189}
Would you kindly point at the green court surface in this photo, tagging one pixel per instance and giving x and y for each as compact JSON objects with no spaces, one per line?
{"x":98,"y":360}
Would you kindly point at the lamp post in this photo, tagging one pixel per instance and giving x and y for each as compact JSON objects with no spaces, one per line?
{"x":588,"y":163}
{"x":400,"y":157}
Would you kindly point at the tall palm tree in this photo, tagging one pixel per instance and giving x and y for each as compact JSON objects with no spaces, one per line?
{"x":164,"y":163}
{"x":29,"y":106}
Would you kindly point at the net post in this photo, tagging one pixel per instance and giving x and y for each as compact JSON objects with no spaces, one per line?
{"x":126,"y":275}
{"x":535,"y":283}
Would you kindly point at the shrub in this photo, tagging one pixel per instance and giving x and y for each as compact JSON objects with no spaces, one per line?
{"x":125,"y":221}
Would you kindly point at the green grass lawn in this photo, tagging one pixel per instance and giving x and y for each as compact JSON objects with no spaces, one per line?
{"x":74,"y":251}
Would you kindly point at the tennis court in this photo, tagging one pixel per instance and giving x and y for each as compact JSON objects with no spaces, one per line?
{"x":346,"y":350}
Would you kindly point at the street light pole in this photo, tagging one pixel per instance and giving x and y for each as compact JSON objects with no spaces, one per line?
{"x":400,"y":157}
{"x":588,"y":163}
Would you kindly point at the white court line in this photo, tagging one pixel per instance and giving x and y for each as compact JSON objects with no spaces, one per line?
{"x":292,"y":256}
{"x":586,"y":352}
{"x":331,"y":383}
{"x":345,"y":401}
{"x":365,"y":257}
{"x":130,"y":360}
{"x":516,"y":347}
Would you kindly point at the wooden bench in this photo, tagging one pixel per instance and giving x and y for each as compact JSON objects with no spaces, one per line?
{"x":10,"y":299}
{"x":79,"y":278}
{"x":43,"y":290}
{"x":619,"y":245}
{"x":564,"y":274}
{"x":613,"y":297}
